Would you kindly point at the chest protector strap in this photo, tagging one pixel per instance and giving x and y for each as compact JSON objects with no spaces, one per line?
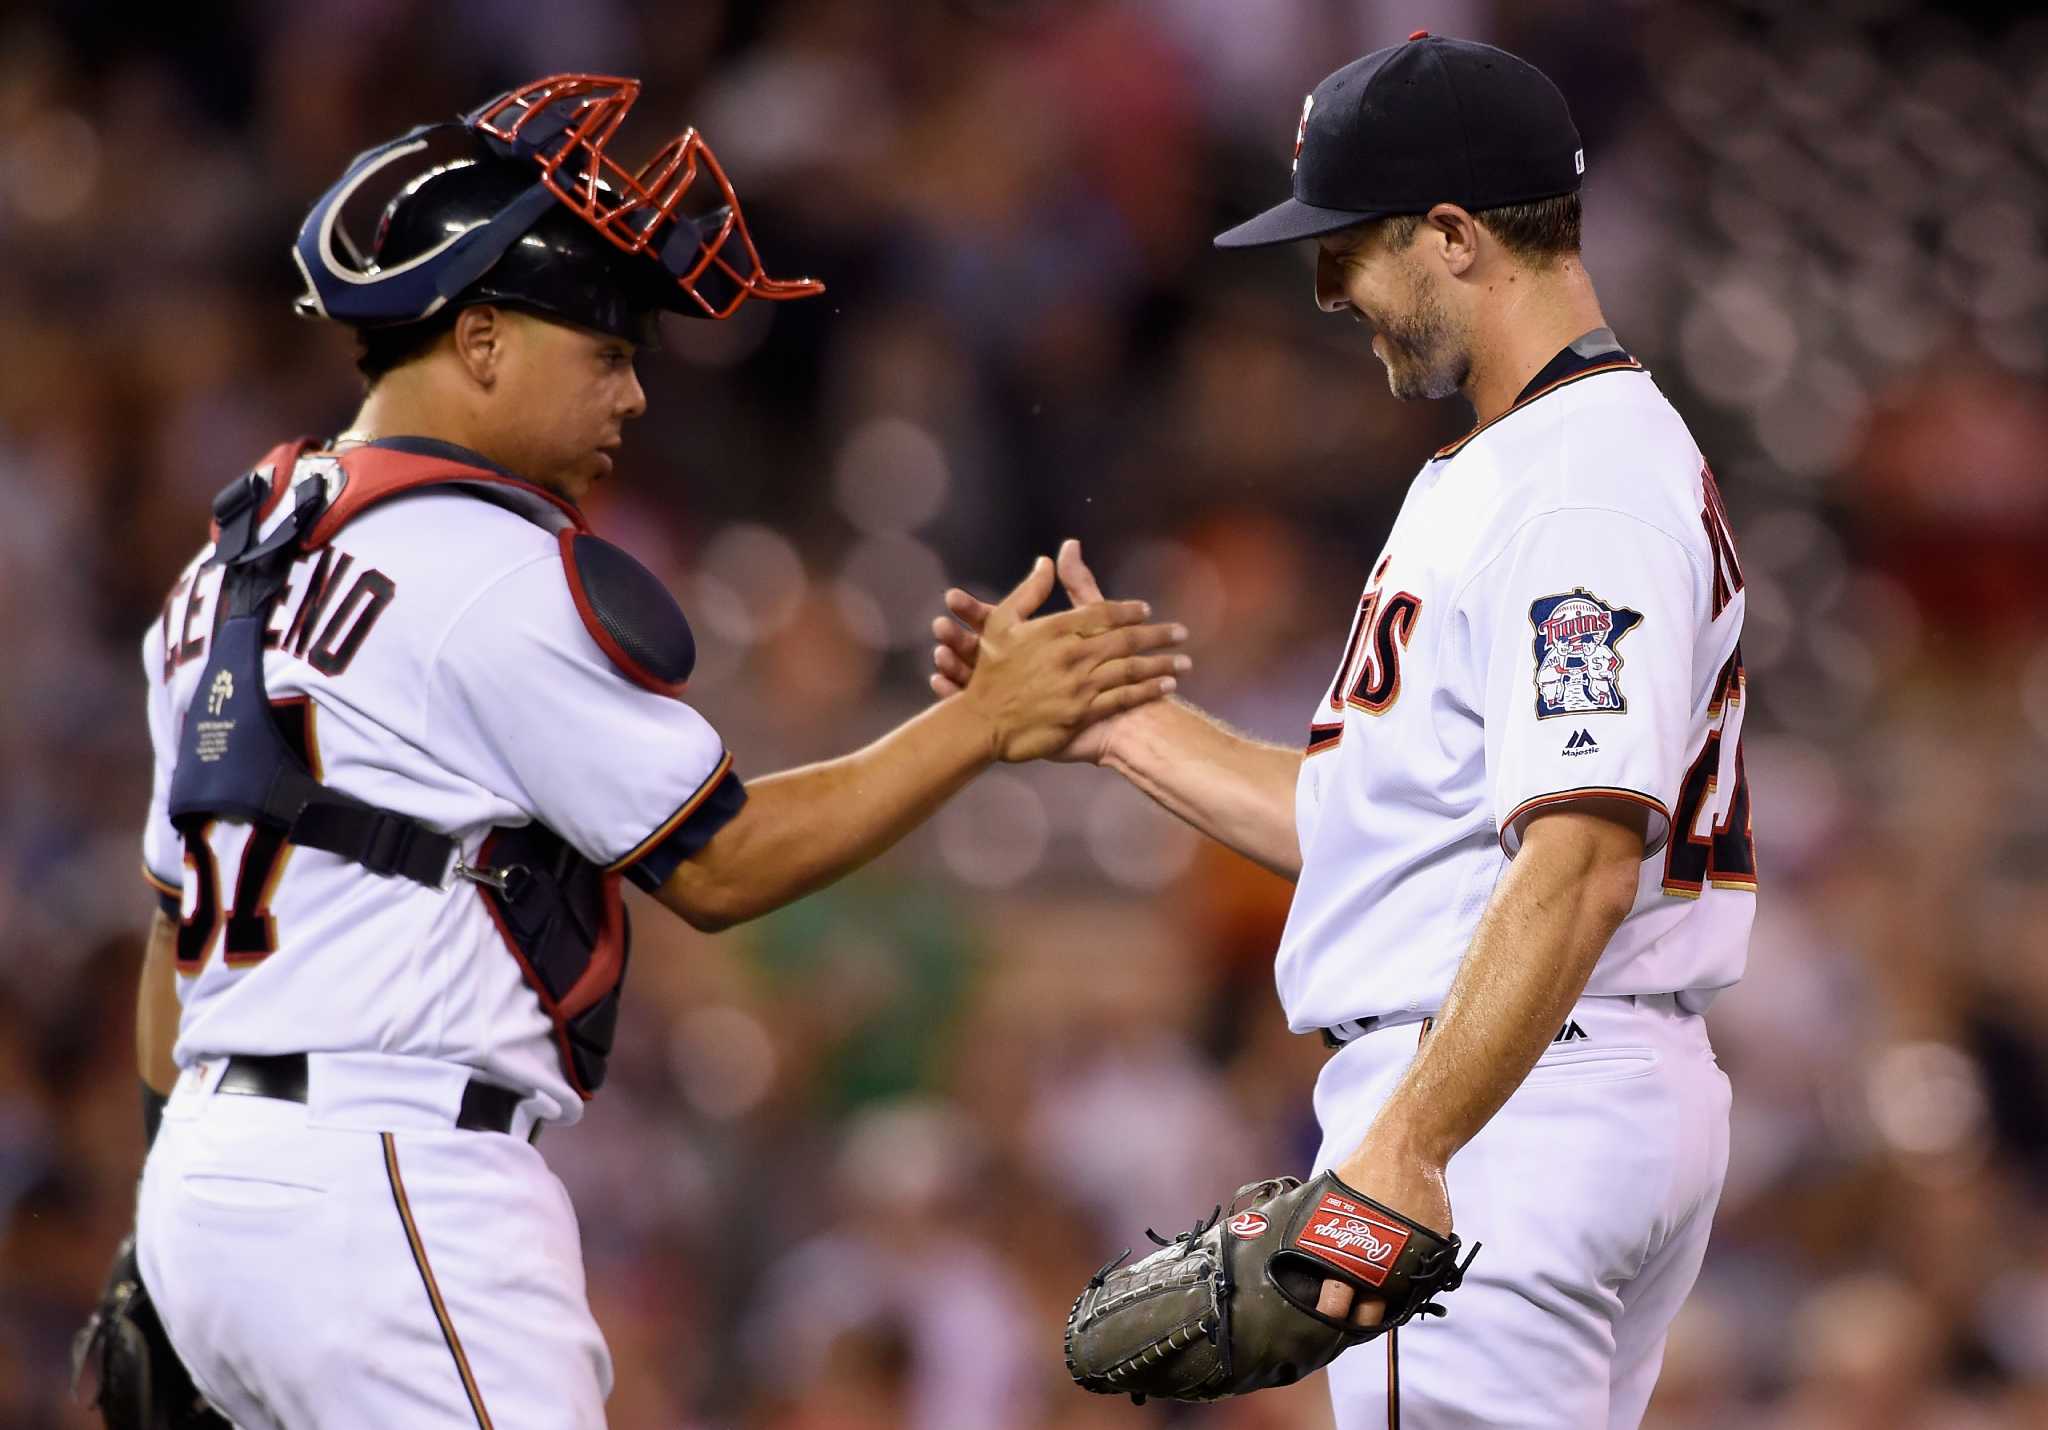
{"x":560,"y":915}
{"x":233,"y":761}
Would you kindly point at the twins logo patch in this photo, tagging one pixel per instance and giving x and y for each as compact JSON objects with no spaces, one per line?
{"x":1248,"y":1225}
{"x":1342,"y":1232}
{"x":1301,"y":132}
{"x":1578,"y":669}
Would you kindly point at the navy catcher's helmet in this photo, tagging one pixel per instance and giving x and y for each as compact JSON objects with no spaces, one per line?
{"x":519,"y":203}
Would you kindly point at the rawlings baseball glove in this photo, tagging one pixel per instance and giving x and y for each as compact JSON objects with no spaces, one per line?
{"x":139,"y":1382}
{"x":1231,"y":1305}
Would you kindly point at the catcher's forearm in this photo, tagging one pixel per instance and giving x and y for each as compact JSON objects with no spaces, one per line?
{"x":156,"y":1006}
{"x":803,"y":828}
{"x":1549,"y":919}
{"x":1237,"y":790}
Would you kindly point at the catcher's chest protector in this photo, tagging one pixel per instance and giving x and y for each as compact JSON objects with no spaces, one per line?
{"x":560,"y":915}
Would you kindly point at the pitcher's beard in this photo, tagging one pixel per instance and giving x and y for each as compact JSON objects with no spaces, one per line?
{"x":1424,"y":355}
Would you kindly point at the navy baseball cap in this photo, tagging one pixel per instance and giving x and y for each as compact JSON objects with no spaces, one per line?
{"x":1427,"y":122}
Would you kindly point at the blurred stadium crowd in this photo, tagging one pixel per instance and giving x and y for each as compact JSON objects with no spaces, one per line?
{"x":853,"y":1161}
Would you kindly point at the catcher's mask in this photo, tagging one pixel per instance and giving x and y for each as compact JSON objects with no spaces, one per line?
{"x":520,"y":203}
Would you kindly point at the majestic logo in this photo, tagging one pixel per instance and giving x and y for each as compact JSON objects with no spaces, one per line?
{"x":1344,"y":1233}
{"x":1582,"y":743}
{"x":1248,"y":1225}
{"x":1578,"y":669}
{"x":1571,"y":1032}
{"x":220,"y":693}
{"x":1301,"y":132}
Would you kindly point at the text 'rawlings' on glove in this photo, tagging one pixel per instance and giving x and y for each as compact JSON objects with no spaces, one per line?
{"x":1230,"y":1306}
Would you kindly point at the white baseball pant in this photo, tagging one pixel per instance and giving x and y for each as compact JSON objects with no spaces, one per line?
{"x":1593,"y":1191}
{"x":356,"y":1260}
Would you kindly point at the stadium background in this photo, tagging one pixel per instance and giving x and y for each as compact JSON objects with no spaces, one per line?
{"x":855,"y":1158}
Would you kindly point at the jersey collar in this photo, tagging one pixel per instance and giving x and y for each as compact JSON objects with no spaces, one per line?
{"x":388,"y":467}
{"x":445,"y":451}
{"x":1584,"y":356}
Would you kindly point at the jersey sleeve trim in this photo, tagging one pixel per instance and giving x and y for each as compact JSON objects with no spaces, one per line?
{"x":1655,"y":837}
{"x":727,"y":798}
{"x":675,"y":821}
{"x":162,"y":886}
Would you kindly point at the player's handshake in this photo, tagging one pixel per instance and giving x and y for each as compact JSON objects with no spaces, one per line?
{"x":970,"y":639}
{"x":1039,"y":683}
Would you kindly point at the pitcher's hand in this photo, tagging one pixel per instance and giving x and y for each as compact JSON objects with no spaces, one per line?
{"x":962,"y":636}
{"x":1041,"y":683}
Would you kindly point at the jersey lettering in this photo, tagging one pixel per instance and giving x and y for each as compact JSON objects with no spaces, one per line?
{"x":247,"y":930}
{"x":199,"y":925}
{"x":331,"y":653}
{"x":324,"y":631}
{"x":1721,"y":540}
{"x":320,"y":589}
{"x":1724,"y":854}
{"x":191,"y":646}
{"x":1369,"y":675}
{"x":1378,"y":684}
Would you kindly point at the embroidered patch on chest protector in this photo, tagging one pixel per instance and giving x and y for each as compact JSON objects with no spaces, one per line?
{"x":1578,"y":669}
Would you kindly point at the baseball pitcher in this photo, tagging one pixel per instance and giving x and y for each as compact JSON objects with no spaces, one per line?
{"x":1519,"y":827}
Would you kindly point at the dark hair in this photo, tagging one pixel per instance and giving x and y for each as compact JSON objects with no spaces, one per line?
{"x":1535,"y":232}
{"x":380,"y":350}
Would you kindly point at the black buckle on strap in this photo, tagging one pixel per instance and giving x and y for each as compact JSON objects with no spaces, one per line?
{"x":381,"y":840}
{"x":388,"y":843}
{"x":235,"y":510}
{"x":238,"y":496}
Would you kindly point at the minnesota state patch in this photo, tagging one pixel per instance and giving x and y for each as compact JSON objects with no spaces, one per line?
{"x":1578,"y":669}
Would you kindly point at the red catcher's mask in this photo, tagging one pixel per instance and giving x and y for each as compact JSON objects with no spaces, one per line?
{"x":565,"y":122}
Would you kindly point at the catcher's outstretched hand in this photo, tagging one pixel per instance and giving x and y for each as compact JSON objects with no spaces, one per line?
{"x":961,"y":635}
{"x":1040,"y":682}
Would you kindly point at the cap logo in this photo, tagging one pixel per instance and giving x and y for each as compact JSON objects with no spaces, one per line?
{"x":1578,"y":160}
{"x":1301,"y":132}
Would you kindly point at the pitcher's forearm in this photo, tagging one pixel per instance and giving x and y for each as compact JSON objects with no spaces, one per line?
{"x":1237,"y":790}
{"x":1549,"y":919}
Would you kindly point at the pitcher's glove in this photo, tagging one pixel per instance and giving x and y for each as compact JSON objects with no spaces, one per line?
{"x":138,"y":1381}
{"x":1231,"y":1305}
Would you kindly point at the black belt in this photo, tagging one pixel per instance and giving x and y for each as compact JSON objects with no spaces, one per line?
{"x":486,"y":1107}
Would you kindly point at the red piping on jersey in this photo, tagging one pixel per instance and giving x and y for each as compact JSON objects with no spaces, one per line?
{"x":674,"y":821}
{"x":162,"y":886}
{"x":632,"y":669}
{"x":375,"y":474}
{"x":1570,"y":796}
{"x":1624,"y":365}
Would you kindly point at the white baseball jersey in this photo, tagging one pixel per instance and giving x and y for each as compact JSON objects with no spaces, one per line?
{"x":431,"y":660}
{"x":1555,"y":616}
